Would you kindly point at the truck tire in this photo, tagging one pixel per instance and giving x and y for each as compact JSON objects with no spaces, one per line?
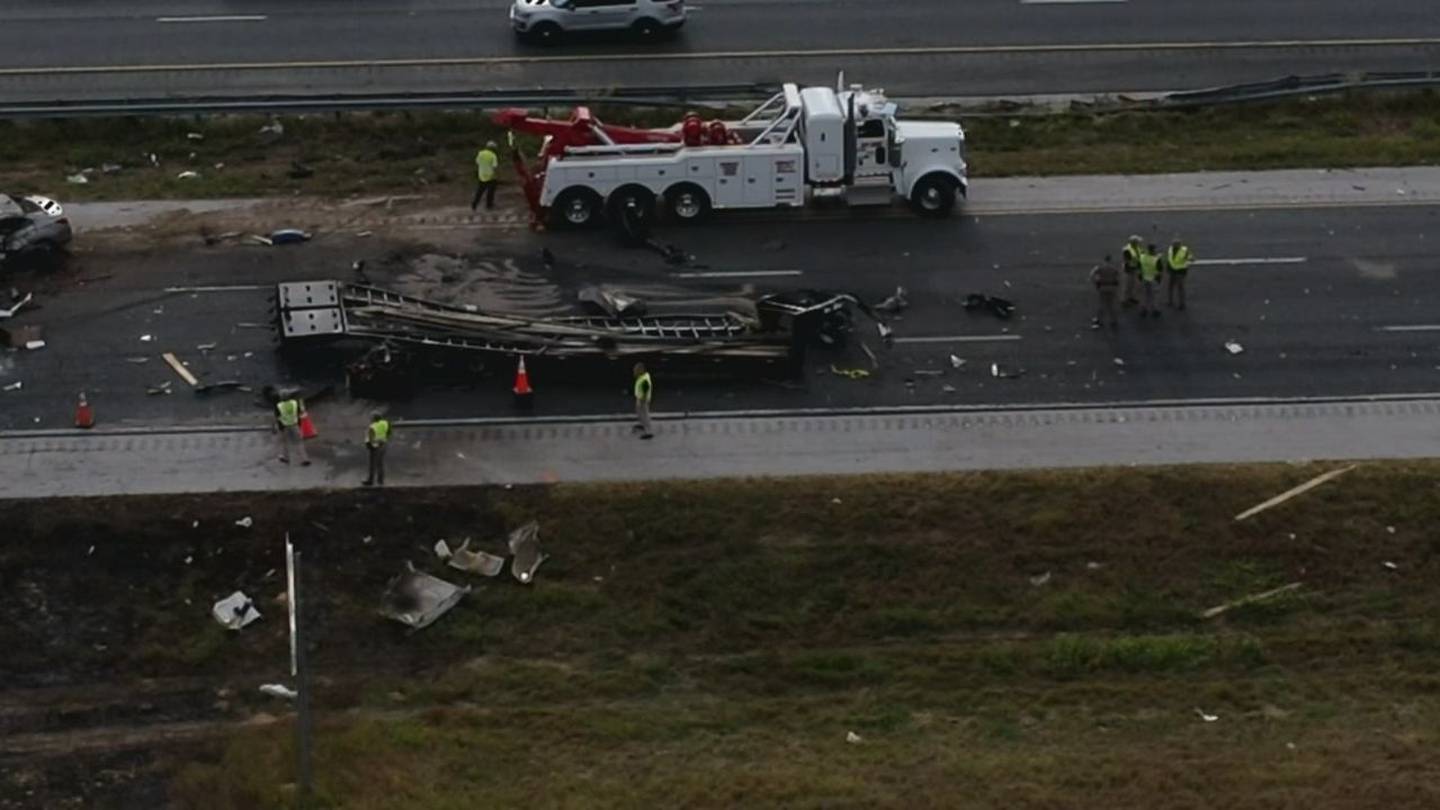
{"x":576,"y":208}
{"x":643,"y":198}
{"x":934,"y":195}
{"x":687,"y":203}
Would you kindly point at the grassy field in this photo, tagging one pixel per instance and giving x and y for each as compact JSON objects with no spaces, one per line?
{"x":995,"y":640}
{"x":375,"y":153}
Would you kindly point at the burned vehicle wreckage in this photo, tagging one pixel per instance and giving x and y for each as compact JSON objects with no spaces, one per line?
{"x":403,"y":340}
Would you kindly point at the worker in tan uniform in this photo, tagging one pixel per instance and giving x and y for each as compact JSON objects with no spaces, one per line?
{"x":486,"y":162}
{"x":1177,"y":264}
{"x":1106,"y":278}
{"x":1130,"y":264}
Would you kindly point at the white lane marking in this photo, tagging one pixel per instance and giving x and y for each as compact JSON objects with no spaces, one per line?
{"x":229,"y":288}
{"x":217,"y":18}
{"x":831,"y":53}
{"x":739,"y":274}
{"x":1423,"y":327}
{"x":1065,"y":2}
{"x":955,"y":339}
{"x":1254,"y":260}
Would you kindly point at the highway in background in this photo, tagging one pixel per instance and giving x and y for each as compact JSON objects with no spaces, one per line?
{"x":923,"y":47}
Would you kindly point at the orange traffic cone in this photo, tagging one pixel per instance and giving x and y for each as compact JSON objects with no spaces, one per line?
{"x":84,"y":414}
{"x":524,"y":395}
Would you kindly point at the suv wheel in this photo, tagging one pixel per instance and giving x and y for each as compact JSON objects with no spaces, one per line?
{"x":648,"y":29}
{"x":545,"y":33}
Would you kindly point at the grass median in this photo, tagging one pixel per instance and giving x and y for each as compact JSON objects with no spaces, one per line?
{"x":1015,"y":640}
{"x":398,"y":153}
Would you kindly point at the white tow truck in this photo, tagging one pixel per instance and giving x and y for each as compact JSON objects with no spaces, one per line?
{"x":802,"y":146}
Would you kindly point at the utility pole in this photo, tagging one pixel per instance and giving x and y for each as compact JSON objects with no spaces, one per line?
{"x":300,"y":671}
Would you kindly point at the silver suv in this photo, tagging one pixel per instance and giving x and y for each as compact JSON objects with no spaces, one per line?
{"x":545,"y":21}
{"x":31,"y":228}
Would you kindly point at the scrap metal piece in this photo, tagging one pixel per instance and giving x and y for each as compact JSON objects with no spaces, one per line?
{"x":417,"y":599}
{"x":610,"y":301}
{"x":525,"y":547}
{"x":895,"y":303}
{"x":1252,"y":598}
{"x":235,"y":611}
{"x":476,"y":562}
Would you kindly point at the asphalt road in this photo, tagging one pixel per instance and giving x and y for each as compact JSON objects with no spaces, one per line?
{"x":1333,"y":302}
{"x":978,"y":47}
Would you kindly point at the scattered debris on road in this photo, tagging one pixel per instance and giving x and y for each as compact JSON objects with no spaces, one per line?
{"x":278,"y":690}
{"x":895,"y":303}
{"x":1040,"y":579}
{"x":15,"y":386}
{"x":180,"y":369}
{"x":147,"y":338}
{"x":1001,"y":308}
{"x":244,"y":523}
{"x":417,"y":599}
{"x":525,"y":548}
{"x":188,"y":174}
{"x":235,"y":611}
{"x":157,"y":390}
{"x":1300,"y":490}
{"x":19,"y":304}
{"x":849,"y":373}
{"x":1233,"y":347}
{"x":852,"y":738}
{"x":30,"y":337}
{"x":1005,"y":372}
{"x":1392,"y":566}
{"x":442,"y":549}
{"x":1209,"y":718}
{"x":957,"y":362}
{"x":1251,"y":599}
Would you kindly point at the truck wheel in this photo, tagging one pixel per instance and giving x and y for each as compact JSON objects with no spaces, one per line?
{"x":687,"y":203}
{"x":577,"y":207}
{"x":934,"y":195}
{"x":642,"y":197}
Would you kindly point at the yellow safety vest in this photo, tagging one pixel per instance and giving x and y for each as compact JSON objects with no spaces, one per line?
{"x":289,"y":411}
{"x":1149,"y":266}
{"x":1130,"y":255}
{"x":380,"y":431}
{"x":1179,"y":260}
{"x":485,"y":163}
{"x":643,"y":388}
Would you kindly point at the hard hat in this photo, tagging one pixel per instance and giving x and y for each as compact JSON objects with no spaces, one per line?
{"x":489,"y":144}
{"x":1135,"y":238}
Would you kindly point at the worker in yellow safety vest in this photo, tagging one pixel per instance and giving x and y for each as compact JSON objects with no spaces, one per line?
{"x":644,"y":390}
{"x":1177,"y":261}
{"x":1130,"y":265}
{"x":287,"y":422}
{"x":377,"y":436}
{"x":1150,"y":279}
{"x":486,"y":162}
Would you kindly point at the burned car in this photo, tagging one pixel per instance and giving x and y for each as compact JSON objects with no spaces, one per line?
{"x":31,"y":228}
